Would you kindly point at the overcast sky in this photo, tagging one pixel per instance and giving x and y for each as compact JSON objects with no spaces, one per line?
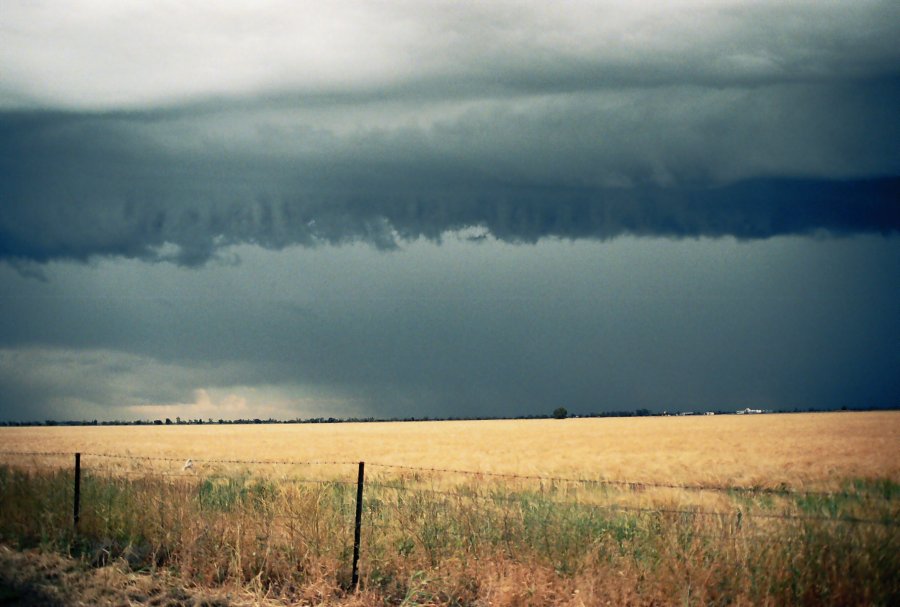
{"x":300,"y":209}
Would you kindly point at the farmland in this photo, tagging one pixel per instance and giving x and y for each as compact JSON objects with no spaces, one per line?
{"x":779,"y":509}
{"x":796,"y":449}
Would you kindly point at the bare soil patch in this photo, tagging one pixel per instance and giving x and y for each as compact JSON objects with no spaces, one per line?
{"x":32,"y":578}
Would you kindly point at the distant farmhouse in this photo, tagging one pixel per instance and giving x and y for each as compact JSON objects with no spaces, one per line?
{"x":749,"y":411}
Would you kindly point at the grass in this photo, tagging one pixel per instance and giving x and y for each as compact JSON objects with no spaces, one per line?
{"x":477,"y":543}
{"x":432,"y":538}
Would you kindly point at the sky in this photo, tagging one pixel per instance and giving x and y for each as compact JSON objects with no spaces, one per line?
{"x":447,"y":209}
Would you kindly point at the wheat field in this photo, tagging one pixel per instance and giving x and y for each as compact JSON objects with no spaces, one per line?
{"x":793,"y":449}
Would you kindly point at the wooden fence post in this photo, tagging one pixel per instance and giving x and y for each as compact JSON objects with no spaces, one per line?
{"x":354,"y":582}
{"x":77,"y":489}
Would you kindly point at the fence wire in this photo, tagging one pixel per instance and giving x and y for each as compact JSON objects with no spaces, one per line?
{"x":248,"y":462}
{"x":191,"y":475}
{"x":636,"y":509}
{"x":38,"y":453}
{"x":631,"y":485}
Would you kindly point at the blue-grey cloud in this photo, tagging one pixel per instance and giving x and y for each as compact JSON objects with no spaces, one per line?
{"x":462,"y":329}
{"x":82,"y":186}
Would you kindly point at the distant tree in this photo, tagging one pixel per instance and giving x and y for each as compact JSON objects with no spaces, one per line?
{"x":168,"y":422}
{"x":560,"y":413}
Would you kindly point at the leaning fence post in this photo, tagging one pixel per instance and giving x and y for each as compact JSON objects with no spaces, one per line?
{"x":77,"y":489}
{"x":354,"y":581}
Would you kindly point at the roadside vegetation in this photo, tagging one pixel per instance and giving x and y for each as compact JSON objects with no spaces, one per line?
{"x":433,"y":538}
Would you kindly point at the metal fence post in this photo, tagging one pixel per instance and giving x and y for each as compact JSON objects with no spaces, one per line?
{"x":77,"y":489}
{"x":354,"y":582}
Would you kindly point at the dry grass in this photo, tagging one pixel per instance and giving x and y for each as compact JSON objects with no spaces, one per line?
{"x":448,"y":539}
{"x":34,"y":578}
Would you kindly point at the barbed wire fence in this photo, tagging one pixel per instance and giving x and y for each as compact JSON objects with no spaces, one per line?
{"x":484,"y":488}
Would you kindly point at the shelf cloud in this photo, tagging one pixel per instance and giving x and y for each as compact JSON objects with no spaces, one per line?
{"x":77,"y":187}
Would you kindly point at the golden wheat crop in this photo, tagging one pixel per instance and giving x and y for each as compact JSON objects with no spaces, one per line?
{"x":798,"y":450}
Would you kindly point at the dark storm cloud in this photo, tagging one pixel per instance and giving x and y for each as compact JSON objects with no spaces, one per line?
{"x":389,"y":122}
{"x":77,"y":187}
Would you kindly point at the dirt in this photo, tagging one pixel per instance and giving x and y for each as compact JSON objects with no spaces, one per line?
{"x":32,"y":578}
